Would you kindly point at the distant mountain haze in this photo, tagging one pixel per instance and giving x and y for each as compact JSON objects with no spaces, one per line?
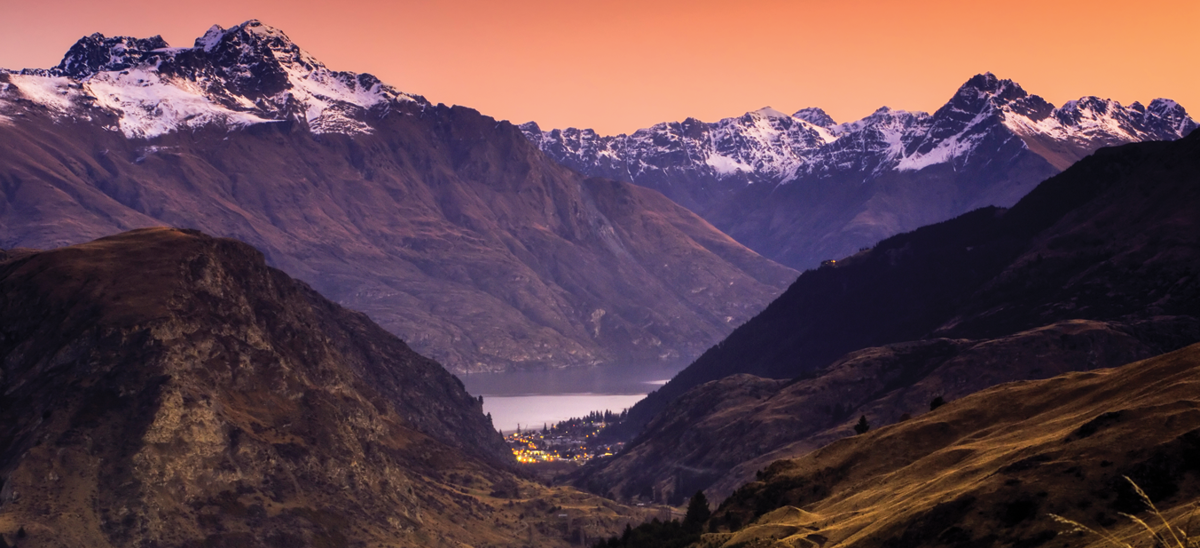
{"x":447,"y":227}
{"x":801,"y":188}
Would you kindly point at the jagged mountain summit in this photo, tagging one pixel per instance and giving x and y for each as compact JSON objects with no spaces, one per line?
{"x":249,"y":74}
{"x":447,"y":227}
{"x":801,"y":188}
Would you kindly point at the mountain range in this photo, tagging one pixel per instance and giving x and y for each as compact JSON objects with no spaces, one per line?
{"x":1094,"y":268}
{"x":163,"y":387}
{"x":447,"y":227}
{"x":801,"y":189}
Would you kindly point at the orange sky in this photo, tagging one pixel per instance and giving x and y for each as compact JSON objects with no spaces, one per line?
{"x":620,"y":65}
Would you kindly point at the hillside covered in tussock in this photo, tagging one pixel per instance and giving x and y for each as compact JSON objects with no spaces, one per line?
{"x":987,"y":470}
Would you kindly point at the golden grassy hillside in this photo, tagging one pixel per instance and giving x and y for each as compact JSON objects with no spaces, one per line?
{"x":988,"y":470}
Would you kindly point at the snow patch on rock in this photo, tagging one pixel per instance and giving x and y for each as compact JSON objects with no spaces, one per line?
{"x":150,"y":107}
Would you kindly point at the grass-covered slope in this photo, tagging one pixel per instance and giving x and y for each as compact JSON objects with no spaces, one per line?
{"x":988,"y":470}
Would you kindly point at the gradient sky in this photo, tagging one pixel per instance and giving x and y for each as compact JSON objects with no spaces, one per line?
{"x":620,"y":65}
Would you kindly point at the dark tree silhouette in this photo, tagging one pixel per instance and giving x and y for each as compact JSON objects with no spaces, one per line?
{"x":936,"y":403}
{"x":697,"y":512}
{"x":862,"y":425}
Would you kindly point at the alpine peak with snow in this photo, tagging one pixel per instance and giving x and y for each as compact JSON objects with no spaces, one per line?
{"x":249,"y":74}
{"x":802,"y":188}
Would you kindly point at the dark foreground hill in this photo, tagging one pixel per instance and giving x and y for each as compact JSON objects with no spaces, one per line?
{"x":445,"y":226}
{"x":166,"y":388}
{"x":988,"y":470}
{"x":1114,"y":238}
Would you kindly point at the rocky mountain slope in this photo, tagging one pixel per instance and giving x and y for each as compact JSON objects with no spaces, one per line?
{"x":447,"y":227}
{"x":801,"y":189}
{"x":165,"y":388}
{"x":988,"y":470}
{"x":992,"y":296}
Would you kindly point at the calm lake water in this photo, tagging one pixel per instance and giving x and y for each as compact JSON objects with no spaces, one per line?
{"x":534,"y":398}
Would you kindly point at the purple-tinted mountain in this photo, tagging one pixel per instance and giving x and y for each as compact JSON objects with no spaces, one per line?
{"x":801,"y":189}
{"x":447,"y":227}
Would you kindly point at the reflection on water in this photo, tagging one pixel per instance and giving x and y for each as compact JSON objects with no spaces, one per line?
{"x":546,"y":397}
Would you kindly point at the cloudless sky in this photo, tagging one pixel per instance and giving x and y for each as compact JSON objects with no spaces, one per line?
{"x":620,"y":65}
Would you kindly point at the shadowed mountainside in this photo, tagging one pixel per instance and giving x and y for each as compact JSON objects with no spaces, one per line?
{"x":162,"y":387}
{"x":718,"y":435}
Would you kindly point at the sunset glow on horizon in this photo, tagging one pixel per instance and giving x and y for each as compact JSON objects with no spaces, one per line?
{"x":621,"y":65}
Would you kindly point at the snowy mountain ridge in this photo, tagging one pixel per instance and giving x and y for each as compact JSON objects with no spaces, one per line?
{"x":762,"y":143}
{"x":768,"y":146}
{"x":802,"y":189}
{"x":248,"y":74}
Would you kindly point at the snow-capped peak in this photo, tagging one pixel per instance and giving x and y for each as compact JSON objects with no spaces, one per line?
{"x":250,"y":73}
{"x":987,"y":84}
{"x":97,"y":53}
{"x":210,"y":38}
{"x":769,"y":112}
{"x":815,"y":116}
{"x":253,"y":42}
{"x":1171,"y":114}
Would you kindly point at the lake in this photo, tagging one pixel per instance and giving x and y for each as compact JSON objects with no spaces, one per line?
{"x":534,"y":398}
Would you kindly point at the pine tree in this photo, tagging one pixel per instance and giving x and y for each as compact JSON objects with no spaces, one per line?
{"x":862,"y":425}
{"x":697,"y":512}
